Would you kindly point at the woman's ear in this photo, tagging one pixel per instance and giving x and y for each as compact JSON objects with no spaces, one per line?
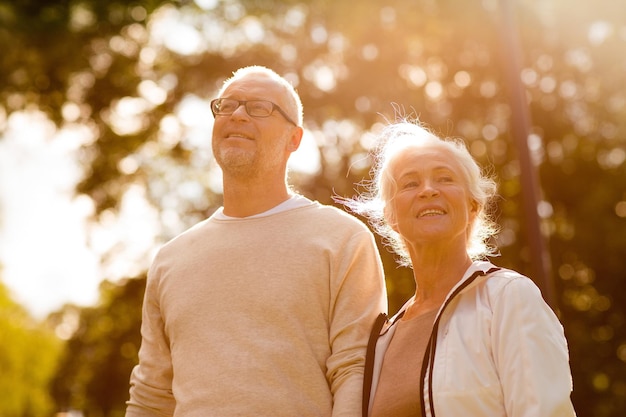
{"x":474,"y":208}
{"x":390,"y":217}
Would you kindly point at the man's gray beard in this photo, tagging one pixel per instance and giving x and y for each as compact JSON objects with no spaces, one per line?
{"x":236,"y":162}
{"x":248,"y":164}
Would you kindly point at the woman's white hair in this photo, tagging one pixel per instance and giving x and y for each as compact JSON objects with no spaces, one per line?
{"x":398,"y":138}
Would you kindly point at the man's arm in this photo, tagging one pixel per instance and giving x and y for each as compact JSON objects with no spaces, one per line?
{"x":151,"y":380}
{"x":359,"y":297}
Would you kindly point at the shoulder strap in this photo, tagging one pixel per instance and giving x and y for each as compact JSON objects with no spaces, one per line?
{"x":369,"y":361}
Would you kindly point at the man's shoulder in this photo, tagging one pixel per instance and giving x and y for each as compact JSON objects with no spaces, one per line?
{"x":187,"y":236}
{"x":333,"y":213}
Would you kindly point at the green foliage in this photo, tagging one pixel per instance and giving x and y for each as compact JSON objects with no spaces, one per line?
{"x":592,"y":277}
{"x":28,"y":356}
{"x":95,"y":366}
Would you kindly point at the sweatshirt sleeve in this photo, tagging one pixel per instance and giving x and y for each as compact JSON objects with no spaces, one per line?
{"x":530,"y":352}
{"x":358,"y":296}
{"x":151,"y":380}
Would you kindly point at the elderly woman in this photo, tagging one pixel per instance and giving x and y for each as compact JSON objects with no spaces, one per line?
{"x":475,"y":339}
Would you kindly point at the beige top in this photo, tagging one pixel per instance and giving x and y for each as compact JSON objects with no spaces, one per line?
{"x":263,"y":316}
{"x":398,"y":391}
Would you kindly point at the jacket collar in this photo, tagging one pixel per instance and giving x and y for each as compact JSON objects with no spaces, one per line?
{"x":470,"y":278}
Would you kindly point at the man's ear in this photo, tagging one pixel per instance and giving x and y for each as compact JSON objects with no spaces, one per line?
{"x":295,"y":139}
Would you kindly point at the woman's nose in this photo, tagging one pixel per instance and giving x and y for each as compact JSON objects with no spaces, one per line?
{"x":428,"y":190}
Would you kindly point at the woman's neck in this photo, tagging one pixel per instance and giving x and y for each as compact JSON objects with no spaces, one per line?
{"x":436,"y":273}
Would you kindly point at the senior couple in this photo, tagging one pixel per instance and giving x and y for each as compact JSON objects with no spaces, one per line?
{"x":275,"y":305}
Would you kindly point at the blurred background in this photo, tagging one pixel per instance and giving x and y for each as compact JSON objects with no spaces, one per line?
{"x":105,"y":155}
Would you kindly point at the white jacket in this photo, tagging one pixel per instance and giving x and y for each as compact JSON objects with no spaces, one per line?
{"x":497,"y":349}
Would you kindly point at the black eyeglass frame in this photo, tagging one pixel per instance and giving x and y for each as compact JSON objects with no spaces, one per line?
{"x":215,"y":104}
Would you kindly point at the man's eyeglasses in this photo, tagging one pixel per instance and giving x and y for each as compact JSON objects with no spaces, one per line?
{"x":254,"y":108}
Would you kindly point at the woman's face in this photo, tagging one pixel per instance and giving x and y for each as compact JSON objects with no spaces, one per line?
{"x":431,"y":202}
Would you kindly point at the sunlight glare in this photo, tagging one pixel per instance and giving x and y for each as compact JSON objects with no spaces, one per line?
{"x":127,"y":116}
{"x":206,"y":4}
{"x":125,"y":240}
{"x":294,"y":18}
{"x":599,"y":32}
{"x":321,"y":75}
{"x":462,"y":79}
{"x":434,"y":90}
{"x":253,"y":29}
{"x":307,"y":158}
{"x":152,"y":92}
{"x":414,"y":75}
{"x":193,"y":110}
{"x":165,"y":22}
{"x":319,"y":34}
{"x":39,"y":170}
{"x":81,"y":17}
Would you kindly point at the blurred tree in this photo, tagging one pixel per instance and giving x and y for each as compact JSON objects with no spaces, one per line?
{"x":28,"y":358}
{"x":139,"y":76}
{"x":97,"y":360}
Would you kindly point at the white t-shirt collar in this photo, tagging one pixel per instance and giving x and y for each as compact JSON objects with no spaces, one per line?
{"x":295,"y":201}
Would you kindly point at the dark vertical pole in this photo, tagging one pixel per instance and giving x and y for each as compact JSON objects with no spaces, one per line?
{"x":521,"y":122}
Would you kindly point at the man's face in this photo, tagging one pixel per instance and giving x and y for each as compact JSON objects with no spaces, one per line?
{"x":244,"y":145}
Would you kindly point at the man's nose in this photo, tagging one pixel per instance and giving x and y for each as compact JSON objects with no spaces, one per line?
{"x":241,"y":110}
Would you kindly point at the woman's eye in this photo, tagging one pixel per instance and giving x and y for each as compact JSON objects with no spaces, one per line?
{"x":410,"y":184}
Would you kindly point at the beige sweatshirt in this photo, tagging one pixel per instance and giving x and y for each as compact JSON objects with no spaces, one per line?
{"x":264,"y":316}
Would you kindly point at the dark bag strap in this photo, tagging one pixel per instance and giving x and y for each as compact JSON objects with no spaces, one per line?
{"x":369,"y":360}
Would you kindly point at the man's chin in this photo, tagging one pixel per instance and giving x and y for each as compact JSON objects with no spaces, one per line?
{"x":235,"y":160}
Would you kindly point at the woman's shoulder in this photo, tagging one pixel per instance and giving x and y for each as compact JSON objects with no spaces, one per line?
{"x":507,"y":283}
